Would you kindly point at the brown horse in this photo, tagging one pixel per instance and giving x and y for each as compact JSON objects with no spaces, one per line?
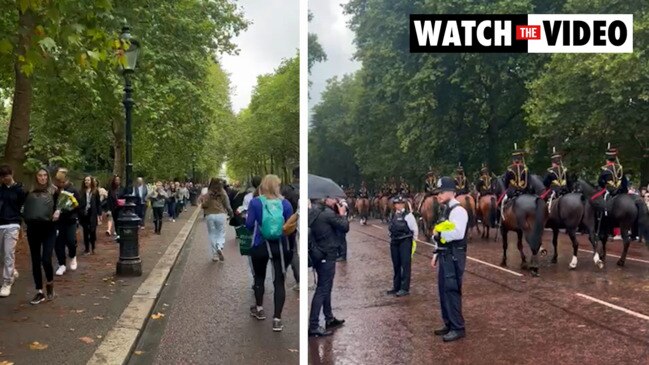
{"x":525,"y":215}
{"x":363,"y":209}
{"x":487,"y":213}
{"x":428,"y":212}
{"x":384,"y":207}
{"x":351,"y":201}
{"x":468,"y":202}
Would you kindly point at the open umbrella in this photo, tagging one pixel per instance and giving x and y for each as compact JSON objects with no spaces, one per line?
{"x":322,"y":187}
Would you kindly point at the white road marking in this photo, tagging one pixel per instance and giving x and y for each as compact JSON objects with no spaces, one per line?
{"x":610,"y":254}
{"x":469,"y":257}
{"x":621,"y":309}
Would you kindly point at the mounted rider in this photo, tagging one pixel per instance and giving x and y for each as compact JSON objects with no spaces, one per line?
{"x":430,"y":185}
{"x":404,"y":188}
{"x":516,"y":178}
{"x":461,"y":186}
{"x":483,"y":185}
{"x":362,"y":191}
{"x":393,"y":190}
{"x":612,"y":180}
{"x":555,"y":180}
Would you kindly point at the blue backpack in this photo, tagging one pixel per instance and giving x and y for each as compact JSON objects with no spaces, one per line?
{"x":272,"y":218}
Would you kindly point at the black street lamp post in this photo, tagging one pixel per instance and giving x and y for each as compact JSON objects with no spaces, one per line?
{"x":129,"y":263}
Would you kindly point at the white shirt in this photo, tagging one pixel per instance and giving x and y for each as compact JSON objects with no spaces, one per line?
{"x":460,"y":218}
{"x":246,"y":201}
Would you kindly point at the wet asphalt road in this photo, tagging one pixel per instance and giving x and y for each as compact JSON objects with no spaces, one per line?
{"x":510,"y":319}
{"x":206,"y":313}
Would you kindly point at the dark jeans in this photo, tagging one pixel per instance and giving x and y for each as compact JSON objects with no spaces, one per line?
{"x":115,"y":214}
{"x":157,"y":218}
{"x":401,"y":253}
{"x":449,"y":280}
{"x":342,"y":250}
{"x":67,"y":237}
{"x":140,"y":210}
{"x":171,"y":210}
{"x":41,"y":237}
{"x":89,"y":233}
{"x":322,"y":296}
{"x":259,"y":255}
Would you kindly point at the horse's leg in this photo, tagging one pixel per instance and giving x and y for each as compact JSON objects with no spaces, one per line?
{"x":503,"y":231}
{"x":555,"y":239}
{"x":627,"y":240}
{"x":575,"y":247}
{"x":519,"y":244}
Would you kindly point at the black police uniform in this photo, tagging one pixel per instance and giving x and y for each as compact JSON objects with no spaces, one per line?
{"x":401,"y":253}
{"x":451,"y":263}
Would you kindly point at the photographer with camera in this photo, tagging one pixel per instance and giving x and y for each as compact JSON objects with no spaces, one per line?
{"x":450,"y":236}
{"x":326,"y":222}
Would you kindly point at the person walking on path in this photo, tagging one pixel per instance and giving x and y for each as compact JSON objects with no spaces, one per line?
{"x":89,"y":213}
{"x":157,"y":198}
{"x":66,"y":217}
{"x":450,"y":236}
{"x":38,"y":214}
{"x":171,"y":202}
{"x":291,"y":192}
{"x":325,"y":226}
{"x":141,"y":191}
{"x":12,"y":198}
{"x":403,"y":228}
{"x":217,"y":209}
{"x":115,"y":195}
{"x":266,"y":216}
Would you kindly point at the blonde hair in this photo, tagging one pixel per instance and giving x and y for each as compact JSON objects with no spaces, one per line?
{"x":270,"y":187}
{"x":61,"y":175}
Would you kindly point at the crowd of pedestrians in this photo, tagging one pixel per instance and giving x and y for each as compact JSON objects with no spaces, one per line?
{"x":53,"y":211}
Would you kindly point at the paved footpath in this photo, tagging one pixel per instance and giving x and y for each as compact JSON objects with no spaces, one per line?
{"x":582,"y":316}
{"x":89,"y":301}
{"x":206,"y":313}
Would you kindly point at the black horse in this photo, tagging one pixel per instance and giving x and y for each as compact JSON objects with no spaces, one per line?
{"x":626,"y":211}
{"x":525,"y":215}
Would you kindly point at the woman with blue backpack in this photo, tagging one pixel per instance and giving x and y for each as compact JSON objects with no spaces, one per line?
{"x":266,"y":216}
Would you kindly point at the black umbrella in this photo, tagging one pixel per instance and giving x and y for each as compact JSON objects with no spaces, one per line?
{"x":322,"y":187}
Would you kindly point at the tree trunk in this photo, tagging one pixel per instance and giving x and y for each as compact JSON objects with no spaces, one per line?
{"x":118,"y":146}
{"x":18,"y":135}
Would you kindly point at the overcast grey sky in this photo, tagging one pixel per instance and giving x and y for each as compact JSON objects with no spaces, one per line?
{"x":273,"y":35}
{"x":330,"y":25}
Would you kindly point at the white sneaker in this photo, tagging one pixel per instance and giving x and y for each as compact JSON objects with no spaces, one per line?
{"x":5,"y":290}
{"x":61,"y":270}
{"x":15,"y":276}
{"x":73,"y":263}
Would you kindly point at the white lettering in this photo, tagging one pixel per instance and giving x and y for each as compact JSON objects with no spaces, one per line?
{"x":425,"y":34}
{"x":452,"y":35}
{"x":502,"y":33}
{"x":480,"y":33}
{"x":468,"y":29}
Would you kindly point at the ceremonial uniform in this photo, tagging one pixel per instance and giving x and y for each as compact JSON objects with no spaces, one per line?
{"x":450,"y":236}
{"x":483,"y":185}
{"x":555,"y":178}
{"x":612,"y":176}
{"x":362,"y":192}
{"x":461,"y":186}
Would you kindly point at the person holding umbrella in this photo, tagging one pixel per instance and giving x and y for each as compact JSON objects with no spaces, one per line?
{"x":326,"y":219}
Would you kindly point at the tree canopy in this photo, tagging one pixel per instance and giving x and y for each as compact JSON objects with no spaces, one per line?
{"x":404,"y":113}
{"x":58,"y":60}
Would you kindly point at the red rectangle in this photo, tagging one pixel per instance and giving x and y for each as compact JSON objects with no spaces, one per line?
{"x":525,"y":32}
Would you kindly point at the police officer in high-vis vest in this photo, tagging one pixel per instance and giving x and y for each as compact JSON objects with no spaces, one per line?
{"x":450,"y":258}
{"x":403,"y":229}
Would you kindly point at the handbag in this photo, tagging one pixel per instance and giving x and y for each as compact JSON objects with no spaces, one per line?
{"x":244,"y":239}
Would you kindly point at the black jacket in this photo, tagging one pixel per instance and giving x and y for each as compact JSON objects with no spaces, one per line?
{"x":324,"y":225}
{"x":113,"y":196}
{"x":12,"y":199}
{"x":71,"y":216}
{"x":95,"y":207}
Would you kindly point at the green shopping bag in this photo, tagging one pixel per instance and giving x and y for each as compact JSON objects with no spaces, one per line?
{"x":244,"y":239}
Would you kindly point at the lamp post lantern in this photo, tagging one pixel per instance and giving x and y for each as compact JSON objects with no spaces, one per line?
{"x":129,"y":263}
